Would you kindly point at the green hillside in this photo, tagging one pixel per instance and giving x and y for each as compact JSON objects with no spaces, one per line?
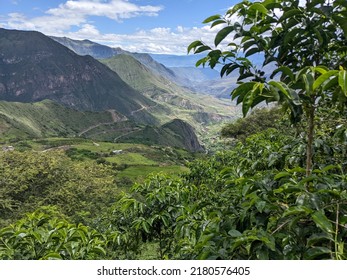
{"x":176,"y":133}
{"x":49,"y":119}
{"x":44,"y":119}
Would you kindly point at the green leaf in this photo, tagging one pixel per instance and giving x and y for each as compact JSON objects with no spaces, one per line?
{"x":322,"y":221}
{"x":251,"y":51}
{"x":291,"y":35}
{"x":290,"y":14}
{"x":329,"y":167}
{"x":281,"y":175}
{"x":217,"y":22}
{"x":316,"y":252}
{"x":52,"y":256}
{"x":194,"y":45}
{"x":308,"y":81}
{"x":331,"y":83}
{"x":242,"y":89}
{"x":285,"y":70}
{"x":321,"y":69}
{"x":323,"y":78}
{"x":343,"y":81}
{"x":248,"y":44}
{"x":228,"y":68}
{"x":259,"y":7}
{"x":202,"y":49}
{"x":222,"y":34}
{"x":297,"y":210}
{"x":211,"y":18}
{"x":201,"y":61}
{"x":234,"y":233}
{"x":99,"y":250}
{"x":145,"y":226}
{"x":282,"y":87}
{"x":318,"y":238}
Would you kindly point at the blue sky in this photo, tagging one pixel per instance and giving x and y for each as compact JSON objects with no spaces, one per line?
{"x":157,"y":26}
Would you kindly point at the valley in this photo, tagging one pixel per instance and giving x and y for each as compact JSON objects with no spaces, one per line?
{"x":123,"y":116}
{"x":109,"y":154}
{"x":141,"y":94}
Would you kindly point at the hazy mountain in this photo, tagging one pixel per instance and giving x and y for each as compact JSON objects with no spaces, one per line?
{"x":196,"y":74}
{"x":87,"y":47}
{"x":170,"y":60}
{"x":180,"y":102}
{"x":179,"y":69}
{"x":34,"y":67}
{"x":98,"y":51}
{"x":140,"y":77}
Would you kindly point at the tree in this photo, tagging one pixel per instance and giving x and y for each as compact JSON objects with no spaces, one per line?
{"x":306,"y":43}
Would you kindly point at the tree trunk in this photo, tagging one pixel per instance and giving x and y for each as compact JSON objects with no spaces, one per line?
{"x":310,"y":137}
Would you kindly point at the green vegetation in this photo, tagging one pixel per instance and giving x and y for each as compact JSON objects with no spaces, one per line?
{"x":257,"y":121}
{"x":276,"y":193}
{"x":80,"y":190}
{"x":45,"y":119}
{"x":20,"y":121}
{"x":311,"y":59}
{"x":247,"y":203}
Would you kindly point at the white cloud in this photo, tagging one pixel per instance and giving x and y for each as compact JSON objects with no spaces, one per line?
{"x":88,"y":31}
{"x":156,"y":40}
{"x":114,"y":9}
{"x":76,"y":13}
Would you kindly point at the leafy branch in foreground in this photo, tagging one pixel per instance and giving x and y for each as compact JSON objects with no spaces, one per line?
{"x":40,"y":235}
{"x":304,"y":42}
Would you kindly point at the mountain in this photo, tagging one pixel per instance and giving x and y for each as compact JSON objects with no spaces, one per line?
{"x":87,"y":47}
{"x":175,"y":133}
{"x":170,"y":60}
{"x":196,"y":74}
{"x":179,"y":102}
{"x":179,"y":69}
{"x":34,"y":67}
{"x":19,"y":121}
{"x":45,"y":119}
{"x":98,"y":51}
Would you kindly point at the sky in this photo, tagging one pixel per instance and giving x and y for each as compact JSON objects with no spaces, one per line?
{"x":153,"y":26}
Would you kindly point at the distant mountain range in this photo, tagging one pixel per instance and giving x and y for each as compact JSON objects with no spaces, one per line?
{"x":34,"y":67}
{"x":126,"y":97}
{"x":177,"y":68}
{"x":168,"y":86}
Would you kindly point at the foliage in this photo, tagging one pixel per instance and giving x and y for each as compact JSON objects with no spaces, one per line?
{"x":45,"y":235}
{"x":81,"y":190}
{"x":257,"y":121}
{"x":251,"y":202}
{"x":304,"y":42}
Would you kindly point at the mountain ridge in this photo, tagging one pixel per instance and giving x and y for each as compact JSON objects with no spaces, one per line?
{"x":34,"y":67}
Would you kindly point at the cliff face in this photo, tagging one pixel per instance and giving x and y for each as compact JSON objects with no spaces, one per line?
{"x":184,"y":132}
{"x":34,"y":67}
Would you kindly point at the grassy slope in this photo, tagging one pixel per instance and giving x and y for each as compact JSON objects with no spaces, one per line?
{"x":136,"y":160}
{"x":45,"y":119}
{"x":48,"y":119}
